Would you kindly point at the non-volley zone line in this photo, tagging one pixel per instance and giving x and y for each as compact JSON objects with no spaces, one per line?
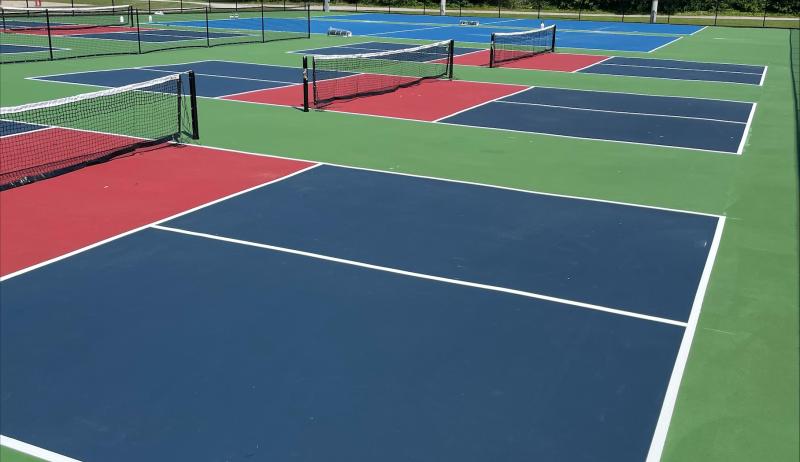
{"x":284,"y":280}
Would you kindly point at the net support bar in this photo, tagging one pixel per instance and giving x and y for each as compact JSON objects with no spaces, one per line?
{"x":510,"y":46}
{"x":327,"y":78}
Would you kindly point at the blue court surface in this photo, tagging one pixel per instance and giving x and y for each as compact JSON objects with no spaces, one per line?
{"x":15,"y":49}
{"x":679,"y":70}
{"x":595,"y":26}
{"x":214,"y":78}
{"x":586,"y":39}
{"x":692,"y":123}
{"x":363,"y":316}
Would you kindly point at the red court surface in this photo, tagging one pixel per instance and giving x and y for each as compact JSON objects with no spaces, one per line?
{"x":563,"y":62}
{"x":428,"y":101}
{"x":52,"y":217}
{"x":55,"y":146}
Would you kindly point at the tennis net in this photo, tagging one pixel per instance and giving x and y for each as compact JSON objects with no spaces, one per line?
{"x":43,"y":34}
{"x":337,"y":77}
{"x":41,"y":140}
{"x":509,"y":46}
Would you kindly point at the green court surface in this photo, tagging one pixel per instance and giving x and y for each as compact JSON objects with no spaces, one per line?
{"x":738,"y":399}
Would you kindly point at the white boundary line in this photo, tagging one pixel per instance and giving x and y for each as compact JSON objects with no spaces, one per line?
{"x":725,"y":82}
{"x":34,"y":451}
{"x":591,"y":65}
{"x":671,"y":395}
{"x":424,"y":276}
{"x":698,"y":30}
{"x":484,"y":103}
{"x":686,"y":69}
{"x":635,"y":143}
{"x":668,"y":43}
{"x":179,"y":214}
{"x":763,"y":76}
{"x":622,"y":112}
{"x":472,"y":183}
{"x":746,"y":133}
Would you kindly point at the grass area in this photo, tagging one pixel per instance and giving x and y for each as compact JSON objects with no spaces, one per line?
{"x":738,"y":400}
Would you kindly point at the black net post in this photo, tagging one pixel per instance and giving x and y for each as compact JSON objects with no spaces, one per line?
{"x":49,"y":34}
{"x":263,"y":27}
{"x":308,"y":21}
{"x":450,"y":59}
{"x":305,"y":83}
{"x":553,"y":44}
{"x":193,"y":102}
{"x":208,"y":34}
{"x":138,"y":32}
{"x":491,"y":52}
{"x":179,"y":91}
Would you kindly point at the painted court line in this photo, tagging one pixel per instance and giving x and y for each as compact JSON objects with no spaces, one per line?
{"x":481,"y":104}
{"x":763,"y":76}
{"x":668,"y":43}
{"x":683,"y":69}
{"x":422,"y":275}
{"x":593,"y":64}
{"x":180,"y":214}
{"x":647,"y":114}
{"x":746,"y":133}
{"x":34,"y":451}
{"x":671,"y":396}
{"x":474,"y":183}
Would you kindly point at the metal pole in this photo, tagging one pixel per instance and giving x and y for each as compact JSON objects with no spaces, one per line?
{"x":305,"y":83}
{"x":208,"y":35}
{"x":450,"y":58}
{"x":193,"y":100}
{"x":49,"y":37}
{"x":138,"y":33}
{"x":263,"y":34}
{"x":491,"y":52}
{"x":308,"y":20}
{"x":580,"y":10}
{"x":498,"y":8}
{"x":764,"y":22}
{"x":623,"y":11}
{"x":539,"y":10}
{"x":716,"y":12}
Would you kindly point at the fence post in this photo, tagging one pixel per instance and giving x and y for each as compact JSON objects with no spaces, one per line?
{"x":764,"y":22}
{"x":539,"y":10}
{"x":716,"y":12}
{"x":49,"y":37}
{"x":138,"y":32}
{"x":305,"y":83}
{"x":580,"y":10}
{"x":498,"y":8}
{"x":208,"y":35}
{"x":263,"y":34}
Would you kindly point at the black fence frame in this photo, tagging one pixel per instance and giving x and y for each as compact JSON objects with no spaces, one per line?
{"x":134,"y":15}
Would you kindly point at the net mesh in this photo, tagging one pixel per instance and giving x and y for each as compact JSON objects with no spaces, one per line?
{"x":336,"y":77}
{"x":41,"y":140}
{"x":39,"y":34}
{"x":510,"y":46}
